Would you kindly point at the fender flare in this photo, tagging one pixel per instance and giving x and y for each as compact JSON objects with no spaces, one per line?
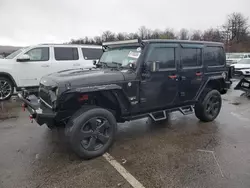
{"x":218,"y":77}
{"x":9,"y":76}
{"x":115,"y":89}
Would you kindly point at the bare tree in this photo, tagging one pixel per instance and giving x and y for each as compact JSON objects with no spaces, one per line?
{"x":234,"y":33}
{"x":236,"y":27}
{"x":98,"y":40}
{"x":121,"y":36}
{"x":168,"y":34}
{"x":197,"y":35}
{"x":155,"y":34}
{"x":144,"y":33}
{"x":132,"y":36}
{"x":183,"y":35}
{"x":108,"y":36}
{"x":212,"y":35}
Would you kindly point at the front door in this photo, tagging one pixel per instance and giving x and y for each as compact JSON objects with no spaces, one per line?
{"x":159,"y":89}
{"x":30,"y":72}
{"x":191,"y":71}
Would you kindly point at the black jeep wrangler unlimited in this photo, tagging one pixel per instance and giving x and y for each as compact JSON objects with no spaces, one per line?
{"x":133,"y":79}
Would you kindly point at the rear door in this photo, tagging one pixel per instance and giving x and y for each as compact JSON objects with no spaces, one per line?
{"x":191,"y":71}
{"x":65,"y":58}
{"x":89,"y":55}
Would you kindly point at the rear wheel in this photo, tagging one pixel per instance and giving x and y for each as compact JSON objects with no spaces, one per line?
{"x":208,"y":106}
{"x":6,"y":88}
{"x":92,"y":132}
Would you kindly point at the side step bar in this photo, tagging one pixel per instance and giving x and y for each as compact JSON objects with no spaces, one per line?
{"x":154,"y":116}
{"x":163,"y":114}
{"x":187,"y":110}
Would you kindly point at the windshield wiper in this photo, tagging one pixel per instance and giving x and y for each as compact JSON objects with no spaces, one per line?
{"x":107,"y":64}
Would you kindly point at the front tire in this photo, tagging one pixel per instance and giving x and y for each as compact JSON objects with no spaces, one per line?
{"x":6,"y":88}
{"x":92,"y":132}
{"x":208,"y":106}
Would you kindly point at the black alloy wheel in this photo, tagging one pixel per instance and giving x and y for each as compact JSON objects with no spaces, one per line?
{"x":91,"y":131}
{"x":209,"y":105}
{"x":213,"y":105}
{"x":94,"y":134}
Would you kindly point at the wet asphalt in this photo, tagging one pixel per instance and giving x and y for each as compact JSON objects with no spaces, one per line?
{"x":181,"y":153}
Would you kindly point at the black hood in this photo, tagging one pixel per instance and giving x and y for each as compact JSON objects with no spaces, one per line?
{"x":80,"y":77}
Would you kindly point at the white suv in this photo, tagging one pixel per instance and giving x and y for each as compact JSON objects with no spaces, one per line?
{"x":25,"y":67}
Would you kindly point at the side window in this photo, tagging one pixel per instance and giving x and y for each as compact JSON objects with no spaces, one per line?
{"x":249,"y":56}
{"x":214,"y":56}
{"x":245,"y":56}
{"x":165,"y":56}
{"x":91,"y":53}
{"x":39,"y":54}
{"x":66,"y":53}
{"x":191,"y":57}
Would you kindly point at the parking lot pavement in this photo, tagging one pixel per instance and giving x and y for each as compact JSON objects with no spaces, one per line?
{"x":182,"y":153}
{"x":33,"y":156}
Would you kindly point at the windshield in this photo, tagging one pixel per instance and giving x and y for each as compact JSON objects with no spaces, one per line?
{"x":15,"y":53}
{"x":236,"y":56}
{"x":121,"y":57}
{"x":244,"y":61}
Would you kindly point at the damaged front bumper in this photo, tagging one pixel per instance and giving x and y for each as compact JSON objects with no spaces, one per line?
{"x":39,"y":112}
{"x":243,"y":85}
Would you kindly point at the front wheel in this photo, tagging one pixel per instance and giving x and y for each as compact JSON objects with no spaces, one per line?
{"x":92,"y":132}
{"x":208,"y":106}
{"x":6,"y":88}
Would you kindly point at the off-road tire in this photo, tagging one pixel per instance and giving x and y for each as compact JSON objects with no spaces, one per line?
{"x":202,"y":106}
{"x":81,"y":119}
{"x":7,"y":80}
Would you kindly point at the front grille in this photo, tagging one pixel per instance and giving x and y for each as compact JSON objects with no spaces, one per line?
{"x":44,"y":94}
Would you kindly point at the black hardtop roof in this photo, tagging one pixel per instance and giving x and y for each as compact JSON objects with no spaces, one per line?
{"x":138,"y":41}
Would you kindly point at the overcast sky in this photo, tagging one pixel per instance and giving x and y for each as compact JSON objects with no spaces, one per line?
{"x":26,"y":22}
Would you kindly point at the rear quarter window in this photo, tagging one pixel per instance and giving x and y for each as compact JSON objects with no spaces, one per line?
{"x":214,"y":56}
{"x":91,"y":53}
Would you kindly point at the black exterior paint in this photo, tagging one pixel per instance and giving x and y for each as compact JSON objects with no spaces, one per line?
{"x":133,"y":92}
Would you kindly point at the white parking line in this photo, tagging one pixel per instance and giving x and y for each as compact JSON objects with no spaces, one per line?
{"x":123,"y":172}
{"x":212,"y":152}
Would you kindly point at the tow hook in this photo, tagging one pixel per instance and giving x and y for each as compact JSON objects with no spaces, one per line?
{"x":32,"y":116}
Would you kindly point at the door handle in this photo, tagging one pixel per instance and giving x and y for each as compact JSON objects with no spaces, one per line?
{"x":198,"y":73}
{"x":76,"y":64}
{"x":172,"y":76}
{"x":45,"y":66}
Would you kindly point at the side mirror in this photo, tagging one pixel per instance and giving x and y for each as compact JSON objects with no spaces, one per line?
{"x":131,"y":65}
{"x":94,"y":62}
{"x":24,"y":57}
{"x":153,"y":66}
